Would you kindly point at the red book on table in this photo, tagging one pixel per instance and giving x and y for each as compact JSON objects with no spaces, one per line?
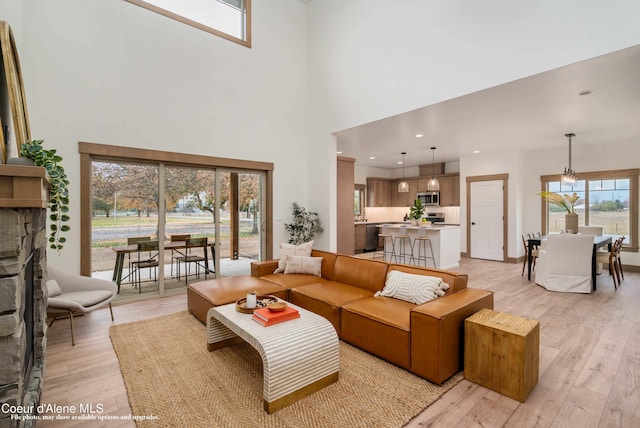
{"x":266,"y":317}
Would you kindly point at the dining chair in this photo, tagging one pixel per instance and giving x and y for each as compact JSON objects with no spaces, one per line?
{"x":619,"y":259}
{"x":175,"y":253}
{"x":564,"y":264}
{"x":612,"y":259}
{"x":189,"y":257}
{"x":534,"y":252}
{"x":134,"y":241}
{"x":591,"y":230}
{"x":151,"y":262}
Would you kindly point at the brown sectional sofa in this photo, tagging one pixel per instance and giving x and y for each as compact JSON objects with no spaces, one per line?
{"x":426,"y":339}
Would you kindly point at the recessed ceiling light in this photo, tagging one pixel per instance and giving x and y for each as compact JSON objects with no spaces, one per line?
{"x":419,"y":135}
{"x":372,"y":157}
{"x":399,"y":162}
{"x":339,"y":153}
{"x":475,"y":152}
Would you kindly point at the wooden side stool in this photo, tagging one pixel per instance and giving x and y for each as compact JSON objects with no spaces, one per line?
{"x":501,"y":352}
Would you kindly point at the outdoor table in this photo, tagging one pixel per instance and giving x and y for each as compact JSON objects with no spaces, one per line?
{"x":176,"y":245}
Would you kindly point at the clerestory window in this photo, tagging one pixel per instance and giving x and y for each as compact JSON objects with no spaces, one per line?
{"x":230,"y":19}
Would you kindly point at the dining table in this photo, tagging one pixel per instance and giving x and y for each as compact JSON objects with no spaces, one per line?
{"x":599,"y":241}
{"x":123,"y":250}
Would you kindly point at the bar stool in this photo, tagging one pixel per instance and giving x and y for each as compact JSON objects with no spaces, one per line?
{"x":401,"y":240}
{"x":386,"y":238}
{"x":422,"y":242}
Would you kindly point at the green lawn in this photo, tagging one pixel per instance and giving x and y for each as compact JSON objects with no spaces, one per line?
{"x":135,"y":221}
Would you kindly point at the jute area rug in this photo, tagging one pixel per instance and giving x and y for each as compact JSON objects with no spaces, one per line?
{"x":170,"y":374}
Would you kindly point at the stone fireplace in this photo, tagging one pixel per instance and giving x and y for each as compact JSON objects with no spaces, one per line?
{"x":23,"y":297}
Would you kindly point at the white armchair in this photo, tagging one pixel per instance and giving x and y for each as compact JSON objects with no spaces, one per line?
{"x":564,"y":263}
{"x":69,"y":294}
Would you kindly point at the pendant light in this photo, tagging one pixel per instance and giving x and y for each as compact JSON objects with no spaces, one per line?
{"x":433,"y":185}
{"x":569,"y":175}
{"x":403,"y":187}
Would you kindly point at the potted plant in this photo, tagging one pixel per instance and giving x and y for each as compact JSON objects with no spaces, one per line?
{"x":416,"y":212}
{"x":58,"y":190}
{"x":568,"y":203}
{"x":304,"y":227}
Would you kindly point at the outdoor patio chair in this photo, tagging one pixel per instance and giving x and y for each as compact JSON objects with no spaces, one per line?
{"x":198,"y":260}
{"x":151,"y":262}
{"x":175,"y":253}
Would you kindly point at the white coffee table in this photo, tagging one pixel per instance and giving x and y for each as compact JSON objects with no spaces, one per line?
{"x":299,"y":357}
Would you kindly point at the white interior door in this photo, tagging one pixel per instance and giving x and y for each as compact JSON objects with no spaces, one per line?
{"x":487,"y":220}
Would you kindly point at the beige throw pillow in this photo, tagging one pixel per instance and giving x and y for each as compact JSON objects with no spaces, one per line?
{"x":413,"y":288}
{"x":292,"y":250}
{"x":307,"y":265}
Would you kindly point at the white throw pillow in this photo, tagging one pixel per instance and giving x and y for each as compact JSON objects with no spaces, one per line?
{"x":292,"y":250}
{"x":300,"y":264}
{"x":53,"y":289}
{"x":413,"y":288}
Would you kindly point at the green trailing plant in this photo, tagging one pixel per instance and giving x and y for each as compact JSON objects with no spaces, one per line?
{"x":58,"y":189}
{"x":304,"y":226}
{"x":417,"y":210}
{"x":565,"y":201}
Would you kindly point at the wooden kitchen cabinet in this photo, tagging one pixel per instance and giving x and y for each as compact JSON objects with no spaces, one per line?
{"x":361,"y":238}
{"x":422,"y":184}
{"x":378,"y":192}
{"x":404,"y":199}
{"x":449,"y":191}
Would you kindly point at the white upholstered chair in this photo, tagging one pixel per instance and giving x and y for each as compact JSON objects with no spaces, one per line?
{"x":564,"y":263}
{"x":69,"y":294}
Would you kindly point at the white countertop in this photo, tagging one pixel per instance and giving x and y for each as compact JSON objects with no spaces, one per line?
{"x":409,"y":227}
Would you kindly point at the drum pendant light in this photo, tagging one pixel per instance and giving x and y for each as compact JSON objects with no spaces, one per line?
{"x":569,"y":175}
{"x":433,"y":185}
{"x":403,"y":187}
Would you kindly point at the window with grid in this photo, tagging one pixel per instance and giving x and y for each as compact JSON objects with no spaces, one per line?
{"x":605,"y":198}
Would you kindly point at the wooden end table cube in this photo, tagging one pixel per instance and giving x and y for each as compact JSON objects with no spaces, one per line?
{"x":501,"y":352}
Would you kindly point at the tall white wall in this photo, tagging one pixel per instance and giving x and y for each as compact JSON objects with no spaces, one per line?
{"x":114,"y":73}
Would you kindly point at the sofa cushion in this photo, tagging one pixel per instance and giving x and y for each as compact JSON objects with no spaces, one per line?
{"x":367,"y":274}
{"x":387,"y":310}
{"x":203,"y":295}
{"x":332,"y":293}
{"x":293,"y":280}
{"x":413,"y":288}
{"x":381,"y":326}
{"x":292,"y":250}
{"x":305,"y":265}
{"x":328,"y":260}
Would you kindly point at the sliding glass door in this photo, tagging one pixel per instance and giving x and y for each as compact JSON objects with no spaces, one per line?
{"x":222,"y":207}
{"x":240,"y":225}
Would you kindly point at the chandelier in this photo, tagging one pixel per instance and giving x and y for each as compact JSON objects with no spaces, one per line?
{"x":569,"y":175}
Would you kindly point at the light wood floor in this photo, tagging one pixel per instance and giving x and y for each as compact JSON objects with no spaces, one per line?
{"x":589,"y":358}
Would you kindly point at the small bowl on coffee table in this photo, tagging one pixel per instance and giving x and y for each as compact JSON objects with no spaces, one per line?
{"x":277,"y":306}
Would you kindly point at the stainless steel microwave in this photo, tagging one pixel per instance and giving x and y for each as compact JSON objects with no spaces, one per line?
{"x":429,"y":198}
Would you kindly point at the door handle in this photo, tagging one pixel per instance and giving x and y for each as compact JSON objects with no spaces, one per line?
{"x":473,"y":223}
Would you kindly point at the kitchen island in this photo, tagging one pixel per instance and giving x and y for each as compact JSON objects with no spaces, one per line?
{"x":445,"y":242}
